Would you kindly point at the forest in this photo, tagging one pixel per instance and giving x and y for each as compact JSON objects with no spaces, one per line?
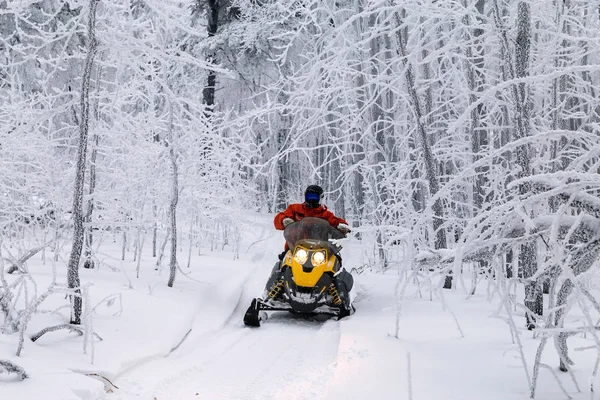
{"x":454,"y":135}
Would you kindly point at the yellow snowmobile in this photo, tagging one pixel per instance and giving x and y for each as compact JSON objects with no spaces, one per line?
{"x":309,"y":279}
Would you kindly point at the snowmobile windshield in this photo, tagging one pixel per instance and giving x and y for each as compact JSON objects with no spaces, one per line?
{"x":317,"y":230}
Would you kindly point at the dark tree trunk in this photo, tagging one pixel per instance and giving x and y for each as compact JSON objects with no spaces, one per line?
{"x":508,"y":264}
{"x":477,"y":133}
{"x":283,"y":169}
{"x":173,"y":207}
{"x":89,"y":262}
{"x":528,"y":253}
{"x":476,"y":82}
{"x":430,"y":163}
{"x":78,"y":217}
{"x":154,"y":229}
{"x":208,"y":93}
{"x":522,"y":108}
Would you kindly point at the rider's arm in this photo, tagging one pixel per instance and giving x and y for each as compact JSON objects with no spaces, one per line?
{"x":332,"y":219}
{"x":287,"y":213}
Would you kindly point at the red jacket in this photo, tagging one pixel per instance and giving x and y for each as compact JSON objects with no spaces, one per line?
{"x":299,"y":211}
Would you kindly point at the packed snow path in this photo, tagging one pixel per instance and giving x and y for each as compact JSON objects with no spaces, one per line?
{"x":275,"y":363}
{"x":286,"y":356}
{"x":356,"y":358}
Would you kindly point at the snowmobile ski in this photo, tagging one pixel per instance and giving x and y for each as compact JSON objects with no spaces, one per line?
{"x":252,"y":316}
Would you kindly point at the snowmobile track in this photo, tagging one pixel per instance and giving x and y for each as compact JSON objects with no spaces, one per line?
{"x":289,"y":356}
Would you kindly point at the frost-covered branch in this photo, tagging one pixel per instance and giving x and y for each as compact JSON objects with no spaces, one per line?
{"x":70,"y":327}
{"x":18,"y":264}
{"x":10,"y":368}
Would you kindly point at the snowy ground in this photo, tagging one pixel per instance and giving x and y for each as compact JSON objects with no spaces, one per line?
{"x":189,"y":342}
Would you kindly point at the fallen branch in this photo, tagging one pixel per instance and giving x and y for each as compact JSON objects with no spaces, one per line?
{"x":103,"y":378}
{"x":18,"y":264}
{"x":70,"y":327}
{"x":11,"y":368}
{"x":437,"y":257}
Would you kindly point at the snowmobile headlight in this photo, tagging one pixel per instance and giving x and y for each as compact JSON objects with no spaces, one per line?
{"x":301,"y":256}
{"x":318,"y":258}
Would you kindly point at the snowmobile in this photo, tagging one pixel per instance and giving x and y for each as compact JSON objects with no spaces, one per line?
{"x":309,"y":279}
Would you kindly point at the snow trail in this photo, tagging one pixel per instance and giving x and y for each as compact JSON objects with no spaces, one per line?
{"x":287,"y":356}
{"x":292,"y":358}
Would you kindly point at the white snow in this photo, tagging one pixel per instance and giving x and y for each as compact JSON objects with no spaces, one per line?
{"x":189,"y":342}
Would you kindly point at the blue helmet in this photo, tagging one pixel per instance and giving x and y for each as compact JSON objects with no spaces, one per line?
{"x":312,"y":196}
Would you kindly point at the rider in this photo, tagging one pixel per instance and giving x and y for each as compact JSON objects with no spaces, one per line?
{"x":311,"y":207}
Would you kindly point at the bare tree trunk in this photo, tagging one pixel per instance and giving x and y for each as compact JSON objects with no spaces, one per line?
{"x":212,"y":14}
{"x":173,"y":205}
{"x":377,"y":151}
{"x":139,"y":255}
{"x":124,"y":244}
{"x":78,"y":217}
{"x":356,"y":147}
{"x":430,"y":163}
{"x":154,"y":229}
{"x":558,"y":122}
{"x":162,"y":250}
{"x":283,"y":169}
{"x":89,"y":262}
{"x":528,"y":252}
{"x":478,"y":135}
{"x":476,"y":82}
{"x":191,"y":243}
{"x":427,"y":102}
